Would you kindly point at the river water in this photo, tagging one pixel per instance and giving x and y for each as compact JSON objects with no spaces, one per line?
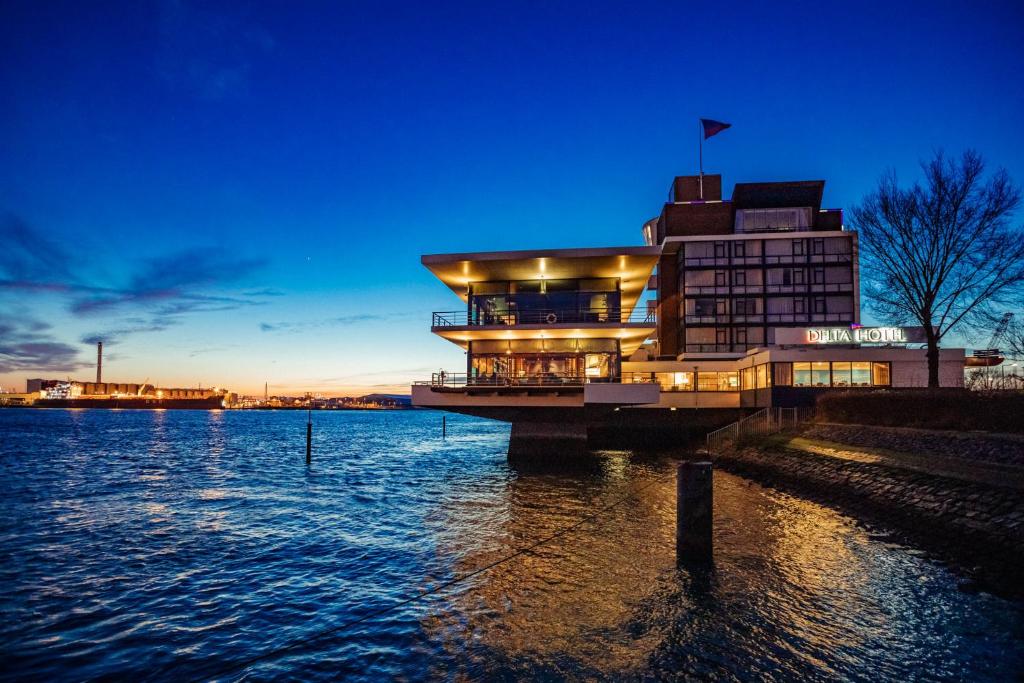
{"x":160,"y":545}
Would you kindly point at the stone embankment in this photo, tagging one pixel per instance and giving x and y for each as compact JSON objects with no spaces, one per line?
{"x":960,"y":492}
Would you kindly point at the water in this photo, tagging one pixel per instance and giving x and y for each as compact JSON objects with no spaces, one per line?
{"x":184,"y":544}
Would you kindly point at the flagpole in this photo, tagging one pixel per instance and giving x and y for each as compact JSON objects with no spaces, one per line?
{"x":700,"y":145}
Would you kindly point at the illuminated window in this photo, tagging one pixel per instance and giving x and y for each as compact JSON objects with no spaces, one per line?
{"x":747,"y":379}
{"x":819,"y":374}
{"x":763,"y":379}
{"x":675,"y":381}
{"x":861,"y":373}
{"x":801,"y":374}
{"x":880,"y":374}
{"x":841,"y":376}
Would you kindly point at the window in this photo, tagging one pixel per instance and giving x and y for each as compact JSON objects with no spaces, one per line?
{"x":841,"y":375}
{"x":819,"y":374}
{"x":720,"y":278}
{"x":798,"y":306}
{"x":718,"y":381}
{"x":721,"y":337}
{"x":819,"y":276}
{"x":741,"y":336}
{"x":747,"y":379}
{"x":739,"y":249}
{"x":787,"y":277}
{"x":798,"y":247}
{"x":703,"y":307}
{"x":675,"y":381}
{"x":801,"y":374}
{"x":783,"y":374}
{"x":745,"y":306}
{"x":880,"y":374}
{"x":763,"y":379}
{"x":798,"y":276}
{"x":719,"y":249}
{"x":861,"y":374}
{"x":740,"y":277}
{"x":721,"y":307}
{"x":819,"y":304}
{"x":819,"y":246}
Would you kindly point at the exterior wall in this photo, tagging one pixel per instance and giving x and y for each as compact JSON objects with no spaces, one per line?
{"x":426,"y":397}
{"x":697,"y":399}
{"x":914,"y":373}
{"x":668,"y":305}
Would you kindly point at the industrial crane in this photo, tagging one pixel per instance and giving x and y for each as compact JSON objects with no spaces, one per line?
{"x":990,"y":356}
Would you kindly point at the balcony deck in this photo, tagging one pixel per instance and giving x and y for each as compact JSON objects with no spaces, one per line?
{"x":631,"y":328}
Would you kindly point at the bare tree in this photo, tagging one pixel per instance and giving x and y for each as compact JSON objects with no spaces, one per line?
{"x":1013,"y":338}
{"x":942,"y":253}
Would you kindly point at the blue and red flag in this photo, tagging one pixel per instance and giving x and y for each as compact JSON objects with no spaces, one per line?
{"x":713,"y":127}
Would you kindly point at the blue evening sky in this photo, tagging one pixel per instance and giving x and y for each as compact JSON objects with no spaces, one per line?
{"x":232,"y":194}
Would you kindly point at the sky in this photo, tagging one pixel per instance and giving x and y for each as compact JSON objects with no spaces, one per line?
{"x":233,"y":194}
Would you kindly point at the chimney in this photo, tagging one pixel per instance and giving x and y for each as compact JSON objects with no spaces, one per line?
{"x":99,"y":362}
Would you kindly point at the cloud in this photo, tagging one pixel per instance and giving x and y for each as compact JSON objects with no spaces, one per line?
{"x":26,"y":344}
{"x":318,"y":324}
{"x":162,"y":289}
{"x":28,"y":256}
{"x":172,"y":279}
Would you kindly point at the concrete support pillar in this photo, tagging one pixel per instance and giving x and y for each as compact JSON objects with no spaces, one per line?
{"x":694,"y":512}
{"x":547,"y":441}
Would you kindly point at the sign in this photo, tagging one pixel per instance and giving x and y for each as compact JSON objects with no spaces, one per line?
{"x":850,"y":335}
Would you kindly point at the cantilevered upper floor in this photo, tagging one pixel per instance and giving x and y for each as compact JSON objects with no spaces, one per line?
{"x":554,"y":294}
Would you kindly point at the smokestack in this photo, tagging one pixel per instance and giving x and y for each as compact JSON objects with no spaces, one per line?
{"x":99,"y":362}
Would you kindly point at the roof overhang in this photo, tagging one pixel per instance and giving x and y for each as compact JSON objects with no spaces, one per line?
{"x":630,"y":335}
{"x":632,"y":265}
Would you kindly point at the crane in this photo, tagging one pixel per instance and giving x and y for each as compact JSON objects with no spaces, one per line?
{"x":990,"y":356}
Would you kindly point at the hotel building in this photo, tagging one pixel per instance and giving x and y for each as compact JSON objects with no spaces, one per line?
{"x":732,"y":304}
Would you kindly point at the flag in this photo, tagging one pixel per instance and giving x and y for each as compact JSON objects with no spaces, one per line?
{"x":713,"y":127}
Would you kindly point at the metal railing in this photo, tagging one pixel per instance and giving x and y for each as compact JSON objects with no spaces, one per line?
{"x":763,"y":422}
{"x":546,"y":379}
{"x":543,"y":316}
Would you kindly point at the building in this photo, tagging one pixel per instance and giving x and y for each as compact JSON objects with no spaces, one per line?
{"x":731,"y":305}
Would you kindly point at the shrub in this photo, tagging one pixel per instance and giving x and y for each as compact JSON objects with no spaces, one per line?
{"x":957,"y":409}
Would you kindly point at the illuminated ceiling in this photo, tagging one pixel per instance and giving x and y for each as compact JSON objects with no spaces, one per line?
{"x":630,"y":335}
{"x":633,"y":265}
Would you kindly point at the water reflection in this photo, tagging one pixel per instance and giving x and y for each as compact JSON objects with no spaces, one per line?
{"x":796,"y":589}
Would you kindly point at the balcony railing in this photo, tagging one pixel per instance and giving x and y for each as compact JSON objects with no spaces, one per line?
{"x":546,"y":379}
{"x":544,"y":316}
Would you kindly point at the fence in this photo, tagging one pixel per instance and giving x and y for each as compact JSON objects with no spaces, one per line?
{"x":763,"y":422}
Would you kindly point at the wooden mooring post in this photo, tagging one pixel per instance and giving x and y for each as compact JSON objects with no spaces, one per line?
{"x":309,"y":436}
{"x":444,"y":426}
{"x":694,"y":512}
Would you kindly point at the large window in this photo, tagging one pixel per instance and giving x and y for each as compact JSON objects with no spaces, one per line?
{"x":835,"y":374}
{"x":544,"y":301}
{"x":675,"y":381}
{"x":718,"y":381}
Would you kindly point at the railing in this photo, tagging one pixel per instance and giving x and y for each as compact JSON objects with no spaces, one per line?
{"x":547,"y":379}
{"x":543,"y":316}
{"x":763,"y":422}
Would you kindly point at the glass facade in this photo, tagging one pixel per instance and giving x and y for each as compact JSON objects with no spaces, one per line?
{"x":545,"y":302}
{"x":543,"y":361}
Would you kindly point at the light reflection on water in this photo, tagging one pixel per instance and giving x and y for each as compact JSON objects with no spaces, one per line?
{"x":172,"y":543}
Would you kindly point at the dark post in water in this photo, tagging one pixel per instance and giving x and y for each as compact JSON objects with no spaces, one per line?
{"x":309,"y":436}
{"x":694,"y":512}
{"x":444,"y":426}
